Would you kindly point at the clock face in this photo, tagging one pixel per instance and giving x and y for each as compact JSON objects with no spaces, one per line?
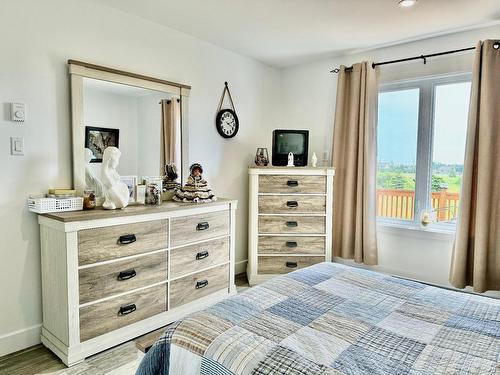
{"x":227,"y":123}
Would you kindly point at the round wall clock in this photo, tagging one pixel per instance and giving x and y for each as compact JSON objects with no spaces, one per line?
{"x":227,"y":122}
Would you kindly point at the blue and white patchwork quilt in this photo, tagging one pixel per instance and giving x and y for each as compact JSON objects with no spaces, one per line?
{"x":334,"y":319}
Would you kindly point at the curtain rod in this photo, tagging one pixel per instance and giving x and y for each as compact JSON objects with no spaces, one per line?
{"x":421,"y":57}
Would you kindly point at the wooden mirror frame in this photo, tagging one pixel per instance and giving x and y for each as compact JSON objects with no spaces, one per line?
{"x":79,"y":70}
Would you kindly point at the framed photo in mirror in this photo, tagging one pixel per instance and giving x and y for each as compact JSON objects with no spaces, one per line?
{"x":97,"y":139}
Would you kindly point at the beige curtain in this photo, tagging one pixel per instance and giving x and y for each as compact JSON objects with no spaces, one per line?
{"x":476,"y":253}
{"x":355,"y":161}
{"x":170,"y":150}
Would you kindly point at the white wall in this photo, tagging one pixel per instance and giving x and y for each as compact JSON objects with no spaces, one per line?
{"x":308,"y":101}
{"x":39,"y":37}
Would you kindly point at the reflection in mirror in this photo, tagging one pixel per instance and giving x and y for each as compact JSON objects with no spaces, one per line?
{"x":144,"y":124}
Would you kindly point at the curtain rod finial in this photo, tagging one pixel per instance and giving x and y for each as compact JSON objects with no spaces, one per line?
{"x":225,"y":83}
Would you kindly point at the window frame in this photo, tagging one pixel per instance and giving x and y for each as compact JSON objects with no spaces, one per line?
{"x":425,"y":140}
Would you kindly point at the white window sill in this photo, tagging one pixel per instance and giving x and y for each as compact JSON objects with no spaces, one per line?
{"x":430,"y":232}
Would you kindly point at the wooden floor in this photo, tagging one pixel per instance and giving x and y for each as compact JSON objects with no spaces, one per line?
{"x":120,"y":360}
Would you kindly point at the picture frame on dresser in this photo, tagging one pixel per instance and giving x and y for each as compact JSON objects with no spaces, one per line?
{"x":290,"y":219}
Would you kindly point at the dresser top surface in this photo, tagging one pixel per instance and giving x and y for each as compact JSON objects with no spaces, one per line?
{"x":292,"y":170}
{"x":139,"y":209}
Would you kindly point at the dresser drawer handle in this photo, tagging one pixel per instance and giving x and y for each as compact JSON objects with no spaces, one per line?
{"x":201,"y":284}
{"x":202,"y":226}
{"x":127,"y":309}
{"x":291,"y":264}
{"x":202,"y":255}
{"x":126,"y":275}
{"x":127,"y":239}
{"x":291,"y":243}
{"x":292,"y":224}
{"x":292,"y":183}
{"x":292,"y":204}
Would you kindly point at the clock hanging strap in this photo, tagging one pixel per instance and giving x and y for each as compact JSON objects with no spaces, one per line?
{"x":226,"y":88}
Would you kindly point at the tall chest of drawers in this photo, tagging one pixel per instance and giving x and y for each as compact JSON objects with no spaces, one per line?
{"x":110,"y":276}
{"x":290,"y":219}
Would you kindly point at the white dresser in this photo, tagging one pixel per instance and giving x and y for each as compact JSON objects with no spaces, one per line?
{"x":110,"y":276}
{"x":290,"y":219}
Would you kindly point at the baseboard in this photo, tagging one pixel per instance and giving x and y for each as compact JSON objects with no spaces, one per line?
{"x":21,"y":339}
{"x":240,"y":267}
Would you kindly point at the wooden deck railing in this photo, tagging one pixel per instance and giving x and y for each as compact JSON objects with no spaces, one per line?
{"x":400,"y":204}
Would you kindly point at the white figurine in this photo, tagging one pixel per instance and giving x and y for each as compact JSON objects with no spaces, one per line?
{"x":314,"y":160}
{"x":116,"y":194}
{"x":290,"y":160}
{"x":92,"y":182}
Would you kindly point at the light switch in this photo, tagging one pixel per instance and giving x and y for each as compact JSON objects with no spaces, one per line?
{"x":16,"y":146}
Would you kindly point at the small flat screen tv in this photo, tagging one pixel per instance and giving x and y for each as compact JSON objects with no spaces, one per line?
{"x":286,"y":141}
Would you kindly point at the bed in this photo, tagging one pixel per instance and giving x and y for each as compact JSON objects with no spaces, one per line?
{"x":334,"y":319}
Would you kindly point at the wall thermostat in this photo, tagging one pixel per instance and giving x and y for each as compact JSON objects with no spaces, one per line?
{"x":17,"y":112}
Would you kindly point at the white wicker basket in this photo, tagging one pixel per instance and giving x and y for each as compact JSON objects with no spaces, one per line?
{"x":42,"y":205}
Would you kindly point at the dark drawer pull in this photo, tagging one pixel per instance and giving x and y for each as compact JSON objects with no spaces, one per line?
{"x":126,"y":275}
{"x":201,"y":284}
{"x":291,"y":264}
{"x":292,"y":204}
{"x":292,"y":183}
{"x":202,"y":255}
{"x":291,"y":244}
{"x":126,"y":239}
{"x":292,"y":224}
{"x":202,"y":226}
{"x":127,"y":309}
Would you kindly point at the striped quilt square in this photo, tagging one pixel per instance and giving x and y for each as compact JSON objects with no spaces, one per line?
{"x":325,"y":268}
{"x":405,"y":326}
{"x":485,"y":327}
{"x":239,"y":350}
{"x":284,"y":361}
{"x":390,"y":345}
{"x":480,"y":310}
{"x":320,"y":299}
{"x":423,"y":312}
{"x":234,"y":309}
{"x":296,"y":310}
{"x":270,"y":326}
{"x":436,"y":360}
{"x":341,"y":288}
{"x":196,"y":332}
{"x":356,"y":360}
{"x":308,"y":277}
{"x":286,"y":286}
{"x":362,"y":312}
{"x":262,"y":297}
{"x":211,"y":367}
{"x":440,"y":298}
{"x":391,"y":286}
{"x":344,"y":328}
{"x":467,"y":342}
{"x":360,"y":279}
{"x":316,"y":346}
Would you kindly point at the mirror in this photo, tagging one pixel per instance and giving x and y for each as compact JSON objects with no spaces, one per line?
{"x":144,"y":117}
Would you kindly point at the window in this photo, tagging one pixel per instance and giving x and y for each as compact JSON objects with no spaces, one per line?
{"x":421,"y":143}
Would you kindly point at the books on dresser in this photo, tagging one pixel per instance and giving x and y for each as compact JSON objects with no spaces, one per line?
{"x":290,"y":219}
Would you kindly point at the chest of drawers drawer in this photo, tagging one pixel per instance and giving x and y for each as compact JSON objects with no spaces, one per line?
{"x":292,"y":224}
{"x":106,"y":316}
{"x":283,"y":204}
{"x":106,"y":243}
{"x":291,"y":245}
{"x":194,"y":228}
{"x":189,"y":288}
{"x":194,"y":258}
{"x":284,"y":264}
{"x":292,"y":184}
{"x":118,"y":277}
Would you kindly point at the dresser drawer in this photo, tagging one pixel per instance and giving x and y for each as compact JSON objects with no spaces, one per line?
{"x":292,"y":184}
{"x":291,"y":245}
{"x":283,"y":204}
{"x":193,"y":258}
{"x":118,"y":312}
{"x":198,"y":285}
{"x":99,"y":244}
{"x":195,"y":228}
{"x":284,"y":264}
{"x":292,"y":224}
{"x":105,"y":280}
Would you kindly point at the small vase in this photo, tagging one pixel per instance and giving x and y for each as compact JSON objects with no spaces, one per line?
{"x":261,"y":157}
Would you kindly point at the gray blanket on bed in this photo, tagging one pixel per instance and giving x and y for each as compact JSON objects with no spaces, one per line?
{"x":334,"y":319}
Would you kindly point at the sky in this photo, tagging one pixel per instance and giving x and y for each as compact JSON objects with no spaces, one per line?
{"x":398,"y":123}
